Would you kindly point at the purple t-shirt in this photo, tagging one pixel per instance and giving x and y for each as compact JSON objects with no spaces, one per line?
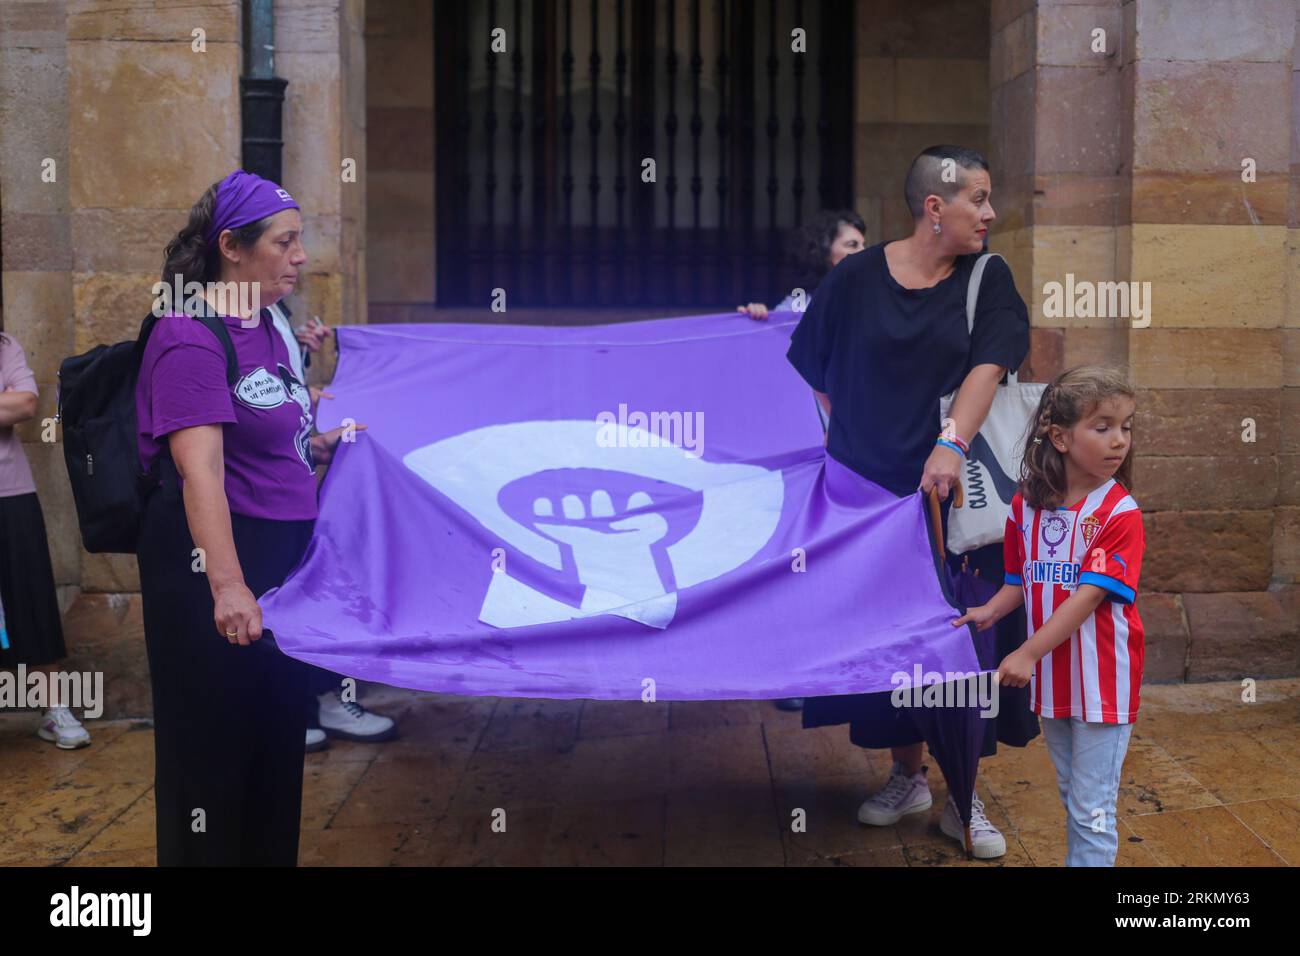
{"x":266,"y":416}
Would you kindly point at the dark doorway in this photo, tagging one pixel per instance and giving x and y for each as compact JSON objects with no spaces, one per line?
{"x":540,"y":190}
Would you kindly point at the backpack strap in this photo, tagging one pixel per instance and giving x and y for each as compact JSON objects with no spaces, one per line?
{"x":972,"y":299}
{"x":214,"y":325}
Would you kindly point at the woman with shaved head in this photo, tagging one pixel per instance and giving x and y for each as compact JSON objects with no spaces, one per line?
{"x":884,"y":338}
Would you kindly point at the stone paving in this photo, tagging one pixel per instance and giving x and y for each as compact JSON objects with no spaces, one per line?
{"x":1209,"y":780}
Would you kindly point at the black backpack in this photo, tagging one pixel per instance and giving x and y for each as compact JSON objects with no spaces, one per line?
{"x":96,"y":406}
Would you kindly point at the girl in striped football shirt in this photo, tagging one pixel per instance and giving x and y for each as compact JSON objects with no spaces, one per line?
{"x":1073,"y":550}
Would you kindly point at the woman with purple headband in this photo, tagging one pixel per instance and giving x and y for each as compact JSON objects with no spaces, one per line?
{"x":230,"y":515}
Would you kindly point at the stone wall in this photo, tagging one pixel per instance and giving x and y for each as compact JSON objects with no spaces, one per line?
{"x":1113,"y":165}
{"x":139,"y":123}
{"x":1125,"y":164}
{"x":922,"y":79}
{"x":400,"y":130}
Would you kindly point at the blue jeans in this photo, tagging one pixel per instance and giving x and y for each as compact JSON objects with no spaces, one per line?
{"x":1088,"y":758}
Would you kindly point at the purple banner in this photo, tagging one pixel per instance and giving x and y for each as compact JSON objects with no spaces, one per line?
{"x":613,"y":512}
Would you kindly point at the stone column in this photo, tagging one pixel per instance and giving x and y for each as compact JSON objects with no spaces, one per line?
{"x":320,"y":51}
{"x":36,"y":305}
{"x":400,"y":186}
{"x":1211,"y":90}
{"x":153,"y":121}
{"x":1125,"y":163}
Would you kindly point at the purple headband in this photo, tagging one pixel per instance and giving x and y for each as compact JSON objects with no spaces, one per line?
{"x":243,"y":198}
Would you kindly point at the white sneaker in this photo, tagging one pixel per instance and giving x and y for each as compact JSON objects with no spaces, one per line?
{"x":986,"y":840}
{"x":902,"y":795}
{"x":351,"y":721}
{"x":316,"y":740}
{"x":65,"y":731}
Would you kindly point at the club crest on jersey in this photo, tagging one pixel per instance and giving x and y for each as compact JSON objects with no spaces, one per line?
{"x":1055,"y":528}
{"x":1089,"y":527}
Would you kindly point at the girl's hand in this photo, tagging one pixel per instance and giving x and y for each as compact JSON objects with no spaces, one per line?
{"x":313,"y":334}
{"x":1015,"y":669}
{"x":942,"y":470}
{"x":238,"y":618}
{"x":755,"y":310}
{"x":982,"y":617}
{"x":322,"y":446}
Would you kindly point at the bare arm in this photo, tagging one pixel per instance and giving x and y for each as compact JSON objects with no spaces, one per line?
{"x":1065,"y":620}
{"x":1008,"y":598}
{"x":199,"y":457}
{"x":16,"y":407}
{"x":974,"y":399}
{"x":968,"y":412}
{"x":1016,"y":667}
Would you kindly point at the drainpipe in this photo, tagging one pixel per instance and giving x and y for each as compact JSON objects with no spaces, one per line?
{"x":261,"y":92}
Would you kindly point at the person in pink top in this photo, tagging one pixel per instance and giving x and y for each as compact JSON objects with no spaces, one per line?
{"x":30,"y":631}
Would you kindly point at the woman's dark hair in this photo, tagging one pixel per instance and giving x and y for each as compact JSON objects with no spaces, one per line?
{"x":188,"y":254}
{"x":1073,"y":396}
{"x":925,"y":176}
{"x":810,"y":245}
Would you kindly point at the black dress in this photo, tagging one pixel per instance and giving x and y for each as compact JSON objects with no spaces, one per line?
{"x":885,"y":355}
{"x":27,"y":593}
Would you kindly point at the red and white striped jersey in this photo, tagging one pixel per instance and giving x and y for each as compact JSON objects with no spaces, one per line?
{"x":1097,"y":674}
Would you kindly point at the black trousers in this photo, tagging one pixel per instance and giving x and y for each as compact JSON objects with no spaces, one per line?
{"x":228,"y":720}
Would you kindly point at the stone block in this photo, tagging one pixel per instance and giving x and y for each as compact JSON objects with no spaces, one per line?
{"x":876,"y":94}
{"x":1207,"y":551}
{"x":1210,"y":30}
{"x":939,"y":28}
{"x":1087,"y":253}
{"x":1205,"y":358}
{"x":1286,"y":546}
{"x":1080,"y":131}
{"x":1206,"y":481}
{"x":1236,"y":635}
{"x":155,"y":21}
{"x":1165,"y":637}
{"x":132,"y":106}
{"x":1234,"y":108}
{"x":1066,"y":37}
{"x":942,"y":90}
{"x":1208,"y":421}
{"x":109,"y":306}
{"x":1076,"y":199}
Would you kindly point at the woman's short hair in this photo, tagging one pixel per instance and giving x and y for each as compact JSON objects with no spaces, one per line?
{"x":925,"y":177}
